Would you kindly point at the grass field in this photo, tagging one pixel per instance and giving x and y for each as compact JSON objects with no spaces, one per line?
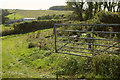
{"x":31,"y":55}
{"x":20,"y":61}
{"x":12,"y":55}
{"x":35,"y":13}
{"x":14,"y":16}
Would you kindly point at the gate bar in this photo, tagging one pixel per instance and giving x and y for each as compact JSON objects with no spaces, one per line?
{"x":88,"y":44}
{"x":74,"y":51}
{"x":90,"y":49}
{"x":87,"y":38}
{"x":91,"y":31}
{"x":55,"y":39}
{"x":93,"y":40}
{"x":88,"y":24}
{"x":75,"y":47}
{"x":74,"y":54}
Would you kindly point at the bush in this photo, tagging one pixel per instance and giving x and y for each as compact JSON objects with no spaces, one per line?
{"x":24,"y":27}
{"x":106,"y":65}
{"x":100,"y":66}
{"x":7,"y":32}
{"x":108,"y":17}
{"x":73,"y":17}
{"x":48,"y":17}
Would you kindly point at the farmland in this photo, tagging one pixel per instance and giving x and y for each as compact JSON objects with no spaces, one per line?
{"x":35,"y":13}
{"x":31,"y":55}
{"x":28,"y":47}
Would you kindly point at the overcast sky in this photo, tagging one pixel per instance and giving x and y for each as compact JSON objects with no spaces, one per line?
{"x":30,"y":4}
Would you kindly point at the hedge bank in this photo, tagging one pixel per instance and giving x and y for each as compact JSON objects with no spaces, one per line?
{"x":31,"y":26}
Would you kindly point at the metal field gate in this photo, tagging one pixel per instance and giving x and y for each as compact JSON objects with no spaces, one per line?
{"x":87,"y":39}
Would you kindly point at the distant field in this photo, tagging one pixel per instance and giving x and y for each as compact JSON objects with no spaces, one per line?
{"x":36,"y":13}
{"x":14,"y":16}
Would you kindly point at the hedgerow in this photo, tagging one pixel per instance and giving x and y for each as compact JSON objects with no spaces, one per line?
{"x":31,"y":26}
